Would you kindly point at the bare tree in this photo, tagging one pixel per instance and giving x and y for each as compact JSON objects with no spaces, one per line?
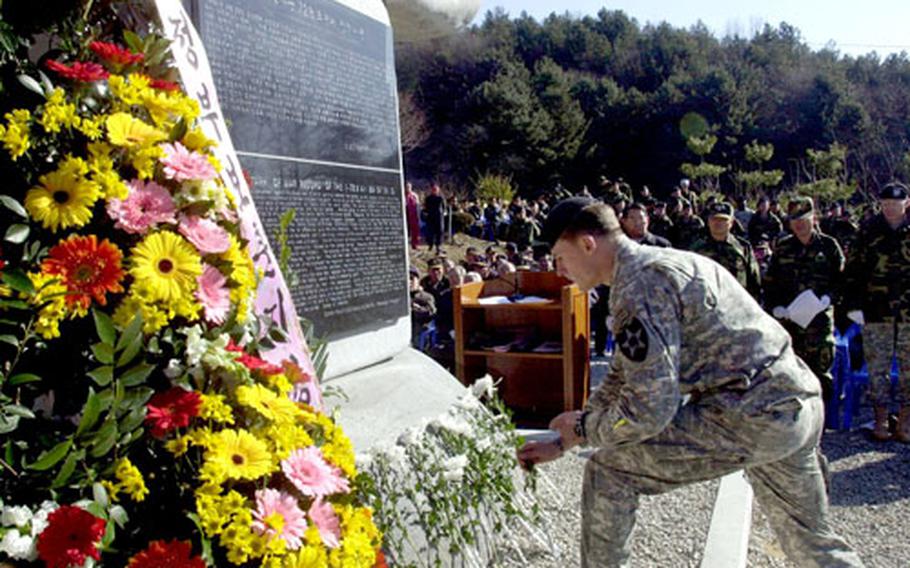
{"x":414,"y":129}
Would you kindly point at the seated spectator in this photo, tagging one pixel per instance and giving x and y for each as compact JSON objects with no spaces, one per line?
{"x":423,"y":306}
{"x":435,"y":282}
{"x":502,"y":266}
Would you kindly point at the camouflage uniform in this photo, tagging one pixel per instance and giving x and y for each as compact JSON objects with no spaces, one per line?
{"x":734,"y":254}
{"x":795,"y":268}
{"x":878,"y":281}
{"x":752,"y":405}
{"x":769,"y":225}
{"x":687,"y":231}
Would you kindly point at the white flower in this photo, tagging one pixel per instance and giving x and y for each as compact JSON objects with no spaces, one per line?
{"x":196,"y":346}
{"x":174,"y":369}
{"x":15,"y":516}
{"x":362,"y":461}
{"x":453,"y":424}
{"x":467,"y":401}
{"x":411,"y":436}
{"x":483,"y":387}
{"x":18,"y":546}
{"x":453,"y":468}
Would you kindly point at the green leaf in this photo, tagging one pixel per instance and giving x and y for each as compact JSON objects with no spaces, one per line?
{"x":17,"y":233}
{"x":136,"y":375}
{"x":130,"y":333}
{"x":102,"y":375}
{"x":105,"y":327}
{"x":133,"y":420}
{"x":13,"y":206}
{"x":46,"y":83}
{"x":31,"y":84}
{"x":50,"y":458}
{"x":92,"y":410}
{"x":18,"y":410}
{"x":14,"y":304}
{"x":18,"y":281}
{"x":8,"y":423}
{"x":119,"y":516}
{"x":104,"y":439}
{"x":128,"y":354}
{"x":69,"y":466}
{"x":23,"y":378}
{"x":133,"y":41}
{"x":103,"y":353}
{"x":10,"y":339}
{"x":99,"y":494}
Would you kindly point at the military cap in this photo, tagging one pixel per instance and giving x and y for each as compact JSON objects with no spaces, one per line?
{"x":433,"y":262}
{"x":720,"y":209}
{"x":799,"y":208}
{"x":561,"y":216}
{"x":414,"y":271}
{"x":894,"y":191}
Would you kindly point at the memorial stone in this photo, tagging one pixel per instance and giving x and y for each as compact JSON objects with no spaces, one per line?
{"x":308,"y":90}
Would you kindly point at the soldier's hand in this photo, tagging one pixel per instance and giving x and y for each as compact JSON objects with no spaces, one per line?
{"x":565,"y":425}
{"x":534,"y":452}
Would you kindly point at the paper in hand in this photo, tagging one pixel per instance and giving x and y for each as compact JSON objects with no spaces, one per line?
{"x":803,"y":309}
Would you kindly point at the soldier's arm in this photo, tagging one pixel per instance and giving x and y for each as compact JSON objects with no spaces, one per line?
{"x":753,"y":274}
{"x":641,"y":395}
{"x":836,"y":279}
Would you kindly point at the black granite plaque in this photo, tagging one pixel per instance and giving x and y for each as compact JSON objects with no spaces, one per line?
{"x":308,"y":89}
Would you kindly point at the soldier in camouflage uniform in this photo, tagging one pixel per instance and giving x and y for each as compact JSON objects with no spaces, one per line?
{"x":728,"y":250}
{"x":807,"y":260}
{"x":704,"y":383}
{"x":878,"y":278}
{"x":688,"y":227}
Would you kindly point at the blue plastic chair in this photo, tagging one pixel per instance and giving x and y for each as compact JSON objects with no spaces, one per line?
{"x":848,"y":384}
{"x":427,"y":337}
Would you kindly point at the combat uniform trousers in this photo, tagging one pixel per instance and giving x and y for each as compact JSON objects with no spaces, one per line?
{"x":815,"y":346}
{"x":879,"y":347}
{"x":705,"y":442}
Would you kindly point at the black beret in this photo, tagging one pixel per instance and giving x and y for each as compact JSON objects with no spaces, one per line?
{"x":894,"y":191}
{"x":561,"y":216}
{"x":720,"y":208}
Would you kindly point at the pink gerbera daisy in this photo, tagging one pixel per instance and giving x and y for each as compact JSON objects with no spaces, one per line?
{"x":323,"y":516}
{"x":206,"y":235}
{"x":213,"y":294}
{"x":181,"y":164}
{"x":277,"y":514}
{"x":147,"y":205}
{"x":312,"y":475}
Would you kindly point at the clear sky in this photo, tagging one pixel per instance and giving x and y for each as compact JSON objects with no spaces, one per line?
{"x":852,"y":26}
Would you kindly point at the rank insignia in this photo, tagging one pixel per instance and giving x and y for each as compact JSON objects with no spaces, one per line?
{"x":633,"y":341}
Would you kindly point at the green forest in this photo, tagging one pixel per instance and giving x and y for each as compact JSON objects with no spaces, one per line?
{"x":570,"y":99}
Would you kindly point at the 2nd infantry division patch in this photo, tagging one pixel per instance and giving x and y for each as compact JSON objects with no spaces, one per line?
{"x":633,"y":341}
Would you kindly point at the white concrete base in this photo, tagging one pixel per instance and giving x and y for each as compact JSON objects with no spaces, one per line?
{"x":388,"y":397}
{"x":727,"y":545}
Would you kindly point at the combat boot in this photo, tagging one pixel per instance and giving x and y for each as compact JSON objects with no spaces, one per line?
{"x":902,"y":432}
{"x":881,"y":432}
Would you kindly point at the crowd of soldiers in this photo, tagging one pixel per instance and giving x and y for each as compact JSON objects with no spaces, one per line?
{"x":855,"y":266}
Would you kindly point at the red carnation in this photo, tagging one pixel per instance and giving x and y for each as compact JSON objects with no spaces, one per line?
{"x":162,"y":554}
{"x":380,"y":560}
{"x":70,"y":536}
{"x":164,"y":85}
{"x":2,"y":263}
{"x":172,"y":409}
{"x":252,"y":362}
{"x":85,"y":72}
{"x":114,"y":54}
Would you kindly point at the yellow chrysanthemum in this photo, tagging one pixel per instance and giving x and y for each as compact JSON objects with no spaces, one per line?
{"x":339,"y":451}
{"x":236,"y":454}
{"x":50,"y":296}
{"x":269,"y":404}
{"x":285,"y":439}
{"x":153,"y":317}
{"x":64,"y":199}
{"x":58,"y":113}
{"x":15,"y":133}
{"x":127,"y":91}
{"x":244,"y":275}
{"x":130,"y":480}
{"x":178,"y":446}
{"x":279,"y":383}
{"x":195,"y":140}
{"x":145,"y":160}
{"x":92,"y":128}
{"x":215,"y":409}
{"x":165,"y":267}
{"x":123,"y":129}
{"x":309,"y":556}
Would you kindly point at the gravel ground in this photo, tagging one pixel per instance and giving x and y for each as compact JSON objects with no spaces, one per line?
{"x":870,"y":507}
